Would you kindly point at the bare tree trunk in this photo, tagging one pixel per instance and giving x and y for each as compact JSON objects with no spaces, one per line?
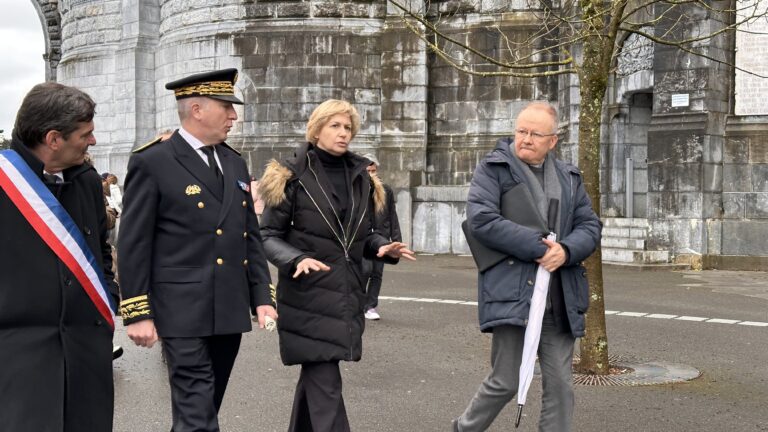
{"x":594,"y":345}
{"x":593,"y":82}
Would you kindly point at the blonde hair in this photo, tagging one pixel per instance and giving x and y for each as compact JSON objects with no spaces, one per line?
{"x":323,"y":113}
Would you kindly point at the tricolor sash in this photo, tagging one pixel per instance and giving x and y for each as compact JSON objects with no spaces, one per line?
{"x":55,"y":226}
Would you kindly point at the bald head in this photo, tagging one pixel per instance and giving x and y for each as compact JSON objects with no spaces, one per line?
{"x":545,"y":108}
{"x":207,"y":119}
{"x":535,"y":132}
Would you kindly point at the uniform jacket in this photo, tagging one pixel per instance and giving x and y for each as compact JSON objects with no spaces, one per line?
{"x":55,"y":348}
{"x":190,"y":257}
{"x":505,"y":290}
{"x":320,"y":313}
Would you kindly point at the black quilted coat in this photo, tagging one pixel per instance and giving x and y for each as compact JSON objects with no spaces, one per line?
{"x":320,"y":313}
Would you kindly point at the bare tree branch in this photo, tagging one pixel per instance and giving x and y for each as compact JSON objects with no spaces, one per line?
{"x":456,"y":64}
{"x":429,"y":26}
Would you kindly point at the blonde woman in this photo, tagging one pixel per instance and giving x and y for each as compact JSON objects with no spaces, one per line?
{"x":317,"y":226}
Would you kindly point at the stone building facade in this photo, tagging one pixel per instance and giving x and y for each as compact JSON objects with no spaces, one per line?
{"x":695,"y":131}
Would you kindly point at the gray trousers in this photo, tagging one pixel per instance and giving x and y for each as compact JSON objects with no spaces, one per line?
{"x":500,"y":386}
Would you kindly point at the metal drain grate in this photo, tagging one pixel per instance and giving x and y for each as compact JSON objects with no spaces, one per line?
{"x":627,"y":372}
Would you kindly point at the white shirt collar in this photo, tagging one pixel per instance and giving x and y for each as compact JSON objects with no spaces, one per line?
{"x":59,"y":174}
{"x":198,"y":145}
{"x":194,"y":142}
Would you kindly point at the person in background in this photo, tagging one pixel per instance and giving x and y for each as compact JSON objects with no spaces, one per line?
{"x":114,"y":194}
{"x":318,"y":224}
{"x":112,"y":224}
{"x":390,"y":228}
{"x":258,"y":203}
{"x":113,"y":203}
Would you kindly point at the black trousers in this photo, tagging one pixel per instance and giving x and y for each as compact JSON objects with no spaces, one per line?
{"x":198,"y":372}
{"x":374,"y":284}
{"x":318,"y":405}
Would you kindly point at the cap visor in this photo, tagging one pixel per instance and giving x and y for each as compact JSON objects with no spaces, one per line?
{"x":227,"y":98}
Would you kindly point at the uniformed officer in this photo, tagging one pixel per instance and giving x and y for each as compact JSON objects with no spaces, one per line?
{"x":191,"y":259}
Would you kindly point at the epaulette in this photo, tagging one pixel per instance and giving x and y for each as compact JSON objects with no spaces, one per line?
{"x":149,"y":144}
{"x":228,"y":146}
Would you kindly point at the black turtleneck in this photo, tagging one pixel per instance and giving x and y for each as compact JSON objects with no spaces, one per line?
{"x":335,"y":168}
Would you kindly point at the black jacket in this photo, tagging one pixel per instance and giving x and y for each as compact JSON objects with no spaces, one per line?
{"x":321,"y":313}
{"x":190,"y":256}
{"x":55,"y":348}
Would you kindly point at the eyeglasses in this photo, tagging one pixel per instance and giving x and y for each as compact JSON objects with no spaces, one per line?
{"x":534,"y":135}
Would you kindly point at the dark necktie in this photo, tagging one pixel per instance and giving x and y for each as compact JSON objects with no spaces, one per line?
{"x":52,"y":178}
{"x":208,"y":150}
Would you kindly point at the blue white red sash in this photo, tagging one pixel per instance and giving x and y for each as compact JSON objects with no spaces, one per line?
{"x":55,"y":226}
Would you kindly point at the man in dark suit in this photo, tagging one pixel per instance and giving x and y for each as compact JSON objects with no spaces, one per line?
{"x":56,"y":296}
{"x":191,"y":260}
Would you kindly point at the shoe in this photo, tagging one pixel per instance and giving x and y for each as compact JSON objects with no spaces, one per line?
{"x":455,"y":424}
{"x":371,"y":314}
{"x":117,"y":351}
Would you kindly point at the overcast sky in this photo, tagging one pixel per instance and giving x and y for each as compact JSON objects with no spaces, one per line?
{"x":22,"y":45}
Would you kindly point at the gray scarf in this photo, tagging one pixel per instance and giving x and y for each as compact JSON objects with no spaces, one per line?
{"x":551,"y":189}
{"x":541,"y":196}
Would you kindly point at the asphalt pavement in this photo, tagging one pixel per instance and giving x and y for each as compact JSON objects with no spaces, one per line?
{"x":425,"y":358}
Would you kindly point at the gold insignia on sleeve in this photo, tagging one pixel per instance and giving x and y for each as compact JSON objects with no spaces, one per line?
{"x":273,"y":293}
{"x":193,"y":190}
{"x":135,"y":307}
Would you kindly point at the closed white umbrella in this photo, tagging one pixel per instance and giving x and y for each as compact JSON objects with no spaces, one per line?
{"x":532,"y":335}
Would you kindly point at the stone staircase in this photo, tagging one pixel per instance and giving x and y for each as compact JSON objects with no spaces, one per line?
{"x":624,"y":244}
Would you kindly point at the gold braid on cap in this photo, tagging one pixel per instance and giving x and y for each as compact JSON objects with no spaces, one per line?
{"x":216,"y":88}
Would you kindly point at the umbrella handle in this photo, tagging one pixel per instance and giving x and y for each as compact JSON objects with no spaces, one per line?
{"x":519,"y":415}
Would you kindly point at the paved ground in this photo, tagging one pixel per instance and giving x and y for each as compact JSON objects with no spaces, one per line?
{"x":424,"y":360}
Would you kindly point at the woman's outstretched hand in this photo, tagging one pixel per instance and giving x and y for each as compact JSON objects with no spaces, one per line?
{"x":396,"y":250}
{"x":309,"y":264}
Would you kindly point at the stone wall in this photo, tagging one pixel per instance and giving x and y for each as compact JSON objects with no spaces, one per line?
{"x":685,"y":141}
{"x":745,"y":187}
{"x":48,"y":11}
{"x":469,"y":113}
{"x":703,"y":186}
{"x":624,"y":133}
{"x":438,"y":212}
{"x":91,"y":33}
{"x":745,"y":156}
{"x":288,"y":70}
{"x":751,"y":91}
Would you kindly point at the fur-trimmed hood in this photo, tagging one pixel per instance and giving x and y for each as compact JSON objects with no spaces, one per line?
{"x":276,"y":177}
{"x":272,"y":183}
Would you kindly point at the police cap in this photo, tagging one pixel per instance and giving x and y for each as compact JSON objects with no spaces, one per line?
{"x":218,"y":84}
